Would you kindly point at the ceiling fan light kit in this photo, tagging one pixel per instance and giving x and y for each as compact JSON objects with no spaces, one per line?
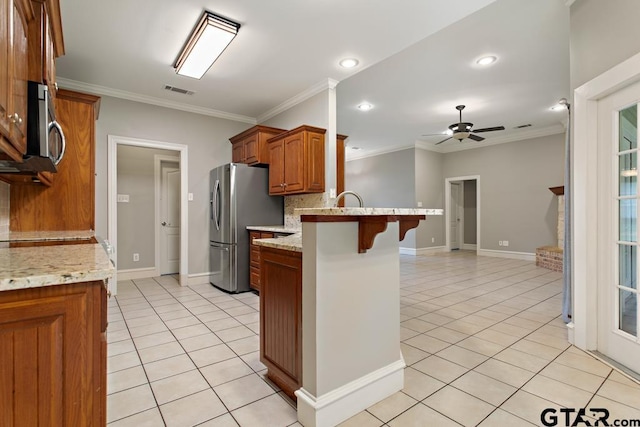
{"x":464,"y":130}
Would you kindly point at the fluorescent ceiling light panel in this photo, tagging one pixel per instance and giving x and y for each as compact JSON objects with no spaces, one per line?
{"x":207,"y":41}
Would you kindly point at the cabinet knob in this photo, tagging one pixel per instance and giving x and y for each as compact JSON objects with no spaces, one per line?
{"x":15,"y":118}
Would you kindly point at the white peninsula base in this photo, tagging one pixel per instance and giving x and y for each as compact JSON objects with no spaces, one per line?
{"x":351,"y":355}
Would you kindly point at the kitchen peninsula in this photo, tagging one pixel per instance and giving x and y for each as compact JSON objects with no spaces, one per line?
{"x":53,"y":318}
{"x":330,"y":309}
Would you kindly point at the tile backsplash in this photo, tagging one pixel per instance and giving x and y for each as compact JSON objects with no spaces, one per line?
{"x":317,"y":200}
{"x":4,"y":207}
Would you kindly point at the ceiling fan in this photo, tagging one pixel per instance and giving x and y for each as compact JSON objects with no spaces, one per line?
{"x":464,"y":130}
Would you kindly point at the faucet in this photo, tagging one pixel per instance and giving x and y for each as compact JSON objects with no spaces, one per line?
{"x":344,"y":193}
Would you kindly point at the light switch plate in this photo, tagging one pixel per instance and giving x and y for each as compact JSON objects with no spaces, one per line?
{"x":190,"y":197}
{"x":332,"y":193}
{"x":123,"y":198}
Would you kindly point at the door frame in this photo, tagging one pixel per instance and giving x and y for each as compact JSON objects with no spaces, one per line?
{"x":447,"y":209}
{"x":158,"y":159}
{"x":583,"y":330}
{"x":112,"y":197}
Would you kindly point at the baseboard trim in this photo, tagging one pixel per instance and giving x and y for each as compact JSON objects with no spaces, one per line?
{"x":344,"y":402}
{"x":469,"y":246}
{"x":198,"y":278}
{"x":421,"y":251}
{"x":524,"y":256}
{"x":136,"y":273}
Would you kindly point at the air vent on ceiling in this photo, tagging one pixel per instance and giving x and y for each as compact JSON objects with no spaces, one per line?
{"x":523,"y":126}
{"x":178,"y":90}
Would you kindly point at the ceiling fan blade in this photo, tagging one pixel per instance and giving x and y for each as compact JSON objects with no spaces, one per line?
{"x":433,"y":134}
{"x":442,"y":141}
{"x":489,"y":129}
{"x":476,"y":137}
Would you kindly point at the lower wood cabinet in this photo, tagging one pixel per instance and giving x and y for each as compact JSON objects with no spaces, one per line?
{"x":281,"y":317}
{"x":53,"y":355}
{"x":254,"y":258}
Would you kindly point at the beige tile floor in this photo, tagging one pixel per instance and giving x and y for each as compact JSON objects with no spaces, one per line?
{"x":481,"y":337}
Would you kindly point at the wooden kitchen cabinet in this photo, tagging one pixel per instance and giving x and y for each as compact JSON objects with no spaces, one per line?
{"x":250,"y":146}
{"x":45,"y":43}
{"x":53,"y":355}
{"x":296,"y":161}
{"x":254,"y":258}
{"x":69,"y":203}
{"x":281,"y":317}
{"x":14,"y":20}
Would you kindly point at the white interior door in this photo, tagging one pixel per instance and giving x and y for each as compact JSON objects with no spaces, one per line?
{"x":618,"y":229}
{"x":454,"y":217}
{"x":169,"y":218}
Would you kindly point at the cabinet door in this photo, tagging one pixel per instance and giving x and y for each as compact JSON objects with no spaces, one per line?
{"x":49,"y":349}
{"x":294,"y":163}
{"x":251,"y":152}
{"x":237,"y":152}
{"x":5,"y":64}
{"x":281,"y":317}
{"x":315,"y":162}
{"x":20,"y":71}
{"x":276,"y":167}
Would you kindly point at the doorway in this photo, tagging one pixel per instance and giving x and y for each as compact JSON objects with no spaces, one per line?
{"x":180,"y":200}
{"x":605,"y":215}
{"x":167,"y":223}
{"x":462,"y":213}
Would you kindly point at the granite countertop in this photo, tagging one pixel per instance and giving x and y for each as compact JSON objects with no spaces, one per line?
{"x":288,"y":243}
{"x":273,"y":228}
{"x":368,"y":211}
{"x":34,"y":267}
{"x":41,"y":236}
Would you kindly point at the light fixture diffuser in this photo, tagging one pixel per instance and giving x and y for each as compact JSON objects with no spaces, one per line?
{"x":209,"y":38}
{"x":349,"y":62}
{"x":365,"y":106}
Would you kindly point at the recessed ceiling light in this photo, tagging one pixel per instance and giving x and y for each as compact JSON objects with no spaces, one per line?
{"x":354,"y":148}
{"x":365,"y":106}
{"x":349,"y":62}
{"x":486,"y":60}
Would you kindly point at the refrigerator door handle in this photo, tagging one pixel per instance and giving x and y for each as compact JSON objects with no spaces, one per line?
{"x":211,"y":204}
{"x":216,"y":193}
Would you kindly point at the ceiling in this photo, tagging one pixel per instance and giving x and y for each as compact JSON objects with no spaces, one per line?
{"x":417,"y":62}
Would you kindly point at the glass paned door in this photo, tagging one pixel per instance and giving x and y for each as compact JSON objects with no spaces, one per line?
{"x":626,"y":288}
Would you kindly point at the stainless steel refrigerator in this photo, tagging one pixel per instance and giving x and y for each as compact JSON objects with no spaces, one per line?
{"x":239,"y":196}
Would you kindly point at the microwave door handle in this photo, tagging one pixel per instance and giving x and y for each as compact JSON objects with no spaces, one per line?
{"x":55,"y":124}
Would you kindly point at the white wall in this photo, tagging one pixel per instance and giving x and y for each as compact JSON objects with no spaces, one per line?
{"x":384,"y":181}
{"x":430,"y":191}
{"x":208,"y":142}
{"x":136,"y":225}
{"x":515,"y":203}
{"x":603,"y":34}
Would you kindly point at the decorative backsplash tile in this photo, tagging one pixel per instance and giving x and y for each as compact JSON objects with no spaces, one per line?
{"x":317,"y":200}
{"x":4,"y":207}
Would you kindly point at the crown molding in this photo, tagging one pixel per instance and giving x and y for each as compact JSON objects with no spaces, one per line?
{"x":130,"y":96}
{"x":373,"y":153}
{"x":519,"y":136}
{"x":297,"y":99}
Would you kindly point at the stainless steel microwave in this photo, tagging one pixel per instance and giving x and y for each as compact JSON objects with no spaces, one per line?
{"x":45,"y":138}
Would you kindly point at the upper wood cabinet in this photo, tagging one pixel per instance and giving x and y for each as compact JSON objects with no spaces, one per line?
{"x":69,"y":203}
{"x":296,"y":161}
{"x":45,"y":43}
{"x":14,"y":19}
{"x":250,"y":146}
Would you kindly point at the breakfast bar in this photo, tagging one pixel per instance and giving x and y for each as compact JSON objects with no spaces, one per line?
{"x":349,"y":312}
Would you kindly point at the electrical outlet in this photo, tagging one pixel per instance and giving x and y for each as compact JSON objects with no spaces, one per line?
{"x":505,"y":243}
{"x":190,"y":197}
{"x":500,"y":243}
{"x":419,"y":204}
{"x":433,"y":240}
{"x":332,"y":193}
{"x":123,"y":198}
{"x":136,"y":257}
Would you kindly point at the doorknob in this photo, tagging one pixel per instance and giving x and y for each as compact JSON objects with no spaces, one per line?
{"x":164,"y":223}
